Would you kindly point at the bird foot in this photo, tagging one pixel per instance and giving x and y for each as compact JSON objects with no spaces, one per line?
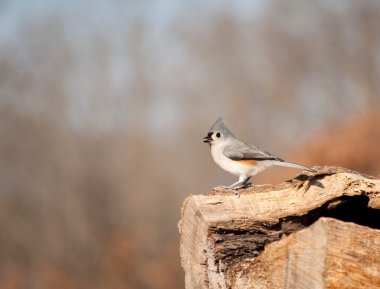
{"x":246,"y":185}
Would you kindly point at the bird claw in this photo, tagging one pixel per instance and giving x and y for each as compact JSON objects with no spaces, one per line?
{"x":246,"y":185}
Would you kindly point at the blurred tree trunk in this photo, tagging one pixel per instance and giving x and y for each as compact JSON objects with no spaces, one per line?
{"x":315,"y":231}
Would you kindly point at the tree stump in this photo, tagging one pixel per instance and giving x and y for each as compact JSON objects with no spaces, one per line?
{"x":317,"y":230}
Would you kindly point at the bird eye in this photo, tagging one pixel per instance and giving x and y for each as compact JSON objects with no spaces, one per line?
{"x":218,"y":134}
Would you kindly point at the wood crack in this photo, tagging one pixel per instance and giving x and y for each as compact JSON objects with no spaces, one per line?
{"x":234,"y":234}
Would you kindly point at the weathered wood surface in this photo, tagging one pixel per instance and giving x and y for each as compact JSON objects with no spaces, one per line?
{"x":316,"y":231}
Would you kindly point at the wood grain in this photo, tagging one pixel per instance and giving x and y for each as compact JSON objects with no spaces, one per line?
{"x":311,"y":232}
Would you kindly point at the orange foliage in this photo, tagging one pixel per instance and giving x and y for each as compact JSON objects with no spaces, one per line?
{"x":354,"y":144}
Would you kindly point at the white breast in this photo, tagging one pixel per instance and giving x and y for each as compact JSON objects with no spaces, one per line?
{"x":235,"y":167}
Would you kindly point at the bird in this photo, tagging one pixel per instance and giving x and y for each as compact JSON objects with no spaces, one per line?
{"x":239,"y":158}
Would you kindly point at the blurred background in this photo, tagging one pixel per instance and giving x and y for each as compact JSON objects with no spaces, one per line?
{"x":103,"y":106}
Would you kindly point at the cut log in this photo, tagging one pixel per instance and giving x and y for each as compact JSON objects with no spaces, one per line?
{"x":316,"y":231}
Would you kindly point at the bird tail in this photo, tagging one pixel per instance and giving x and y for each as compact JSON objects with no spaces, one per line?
{"x":293,"y":165}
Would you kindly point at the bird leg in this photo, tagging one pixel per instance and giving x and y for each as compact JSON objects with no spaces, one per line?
{"x":243,"y":182}
{"x":246,"y":183}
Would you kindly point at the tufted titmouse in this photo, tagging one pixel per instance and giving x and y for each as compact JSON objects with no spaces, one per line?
{"x":238,"y":158}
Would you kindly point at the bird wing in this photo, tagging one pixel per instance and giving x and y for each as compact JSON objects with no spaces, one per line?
{"x":239,"y":150}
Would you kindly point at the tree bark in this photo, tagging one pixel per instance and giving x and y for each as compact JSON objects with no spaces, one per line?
{"x":317,"y":230}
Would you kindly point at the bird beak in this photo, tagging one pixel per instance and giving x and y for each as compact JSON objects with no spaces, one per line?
{"x":207,"y":139}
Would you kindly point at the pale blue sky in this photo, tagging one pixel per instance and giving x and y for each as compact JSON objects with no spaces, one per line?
{"x":90,"y":26}
{"x":84,"y":19}
{"x":86,"y":14}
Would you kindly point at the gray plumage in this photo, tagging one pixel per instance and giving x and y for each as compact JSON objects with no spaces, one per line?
{"x":227,"y":151}
{"x":239,"y":150}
